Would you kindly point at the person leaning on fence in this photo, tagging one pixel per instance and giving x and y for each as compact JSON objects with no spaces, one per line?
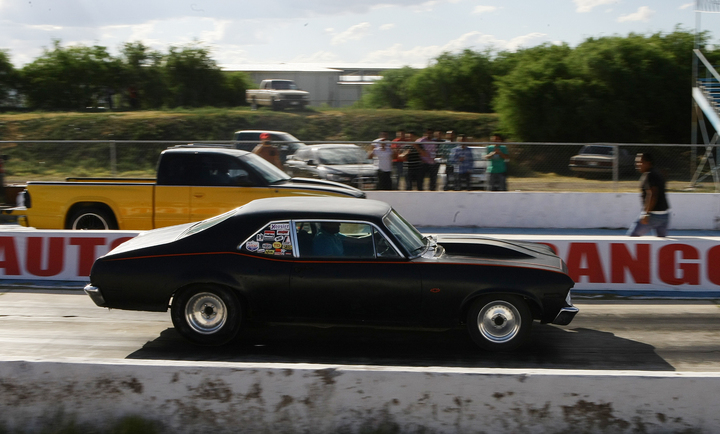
{"x":497,"y":156}
{"x":268,"y":151}
{"x":655,"y":207}
{"x":461,"y":158}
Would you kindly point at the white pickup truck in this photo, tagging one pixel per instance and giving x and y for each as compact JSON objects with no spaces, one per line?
{"x":278,"y":94}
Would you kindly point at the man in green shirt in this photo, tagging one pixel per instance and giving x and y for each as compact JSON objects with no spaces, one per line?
{"x":497,"y":169}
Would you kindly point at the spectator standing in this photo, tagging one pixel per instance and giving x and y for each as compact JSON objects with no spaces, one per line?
{"x":655,"y":208}
{"x":444,"y":153}
{"x":398,"y":161}
{"x":384,"y":154}
{"x":497,"y":167}
{"x":413,"y":155}
{"x":428,"y":158}
{"x":383,"y":137}
{"x":462,"y":160}
{"x":268,"y":151}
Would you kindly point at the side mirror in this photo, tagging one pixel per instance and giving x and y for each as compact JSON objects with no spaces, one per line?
{"x":310,"y":162}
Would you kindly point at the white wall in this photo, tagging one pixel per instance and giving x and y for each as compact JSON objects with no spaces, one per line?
{"x":545,"y":210}
{"x":294,"y":398}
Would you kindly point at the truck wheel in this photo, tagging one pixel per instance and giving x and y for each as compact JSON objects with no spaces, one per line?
{"x":499,"y":322}
{"x":91,"y":218}
{"x":253,"y":104}
{"x":275,"y":105}
{"x":206,"y":314}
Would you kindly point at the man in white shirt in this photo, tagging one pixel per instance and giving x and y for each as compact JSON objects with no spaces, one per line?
{"x":384,"y":154}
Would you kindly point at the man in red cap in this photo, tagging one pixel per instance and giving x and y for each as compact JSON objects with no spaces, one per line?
{"x":268,"y":151}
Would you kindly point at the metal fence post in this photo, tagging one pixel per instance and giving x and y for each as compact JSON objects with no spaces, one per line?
{"x":113,"y":158}
{"x":616,"y":167}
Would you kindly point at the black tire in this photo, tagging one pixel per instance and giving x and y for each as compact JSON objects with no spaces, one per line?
{"x":92,"y":218}
{"x":499,"y":322}
{"x":253,"y":104}
{"x":206,"y":314}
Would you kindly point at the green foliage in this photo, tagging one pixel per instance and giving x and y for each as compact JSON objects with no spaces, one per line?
{"x":390,"y":92}
{"x":634,"y":89}
{"x":462,"y":82}
{"x":79,"y":77}
{"x":70,"y":78}
{"x":193,"y":78}
{"x":8,"y":77}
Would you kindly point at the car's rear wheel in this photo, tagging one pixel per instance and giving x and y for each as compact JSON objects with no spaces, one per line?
{"x":206,"y":314}
{"x":499,"y":322}
{"x":92,"y":218}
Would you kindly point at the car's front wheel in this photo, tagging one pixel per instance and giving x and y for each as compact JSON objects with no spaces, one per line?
{"x":499,"y":322}
{"x":206,"y":314}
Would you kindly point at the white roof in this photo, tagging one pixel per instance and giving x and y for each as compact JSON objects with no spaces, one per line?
{"x":307,"y":67}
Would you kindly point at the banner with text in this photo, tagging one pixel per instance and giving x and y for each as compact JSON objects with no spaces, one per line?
{"x":594,"y":262}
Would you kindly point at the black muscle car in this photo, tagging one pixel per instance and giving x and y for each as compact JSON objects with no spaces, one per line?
{"x":332,"y":261}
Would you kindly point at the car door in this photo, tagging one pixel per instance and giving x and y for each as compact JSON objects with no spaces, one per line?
{"x":223,"y":182}
{"x":368,"y":282}
{"x":263,"y":266}
{"x":172,"y":191}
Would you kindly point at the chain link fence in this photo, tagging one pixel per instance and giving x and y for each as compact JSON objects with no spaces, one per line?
{"x":598,"y":167}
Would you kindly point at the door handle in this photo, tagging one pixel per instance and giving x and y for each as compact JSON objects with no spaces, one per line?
{"x":199,"y":195}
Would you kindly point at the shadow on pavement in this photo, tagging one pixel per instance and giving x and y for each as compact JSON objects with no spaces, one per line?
{"x":550,"y":347}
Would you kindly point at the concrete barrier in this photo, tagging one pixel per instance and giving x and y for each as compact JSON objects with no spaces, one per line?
{"x":545,"y":210}
{"x":188,"y":397}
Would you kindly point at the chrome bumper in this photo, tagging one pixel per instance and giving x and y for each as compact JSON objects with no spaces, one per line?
{"x":566,"y":315}
{"x":95,"y":295}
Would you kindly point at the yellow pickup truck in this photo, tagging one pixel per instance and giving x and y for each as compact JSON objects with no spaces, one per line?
{"x":193,"y":183}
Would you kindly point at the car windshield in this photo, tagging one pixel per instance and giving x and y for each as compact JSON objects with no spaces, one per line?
{"x":597,"y":150}
{"x":410,"y":238}
{"x":284,"y":85}
{"x":344,"y":155}
{"x":267,"y":170}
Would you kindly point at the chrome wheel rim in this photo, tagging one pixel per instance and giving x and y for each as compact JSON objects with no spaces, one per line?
{"x":90,"y":221}
{"x":205,"y":313}
{"x":499,"y":321}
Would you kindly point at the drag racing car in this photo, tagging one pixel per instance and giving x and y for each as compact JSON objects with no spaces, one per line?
{"x":333,"y":261}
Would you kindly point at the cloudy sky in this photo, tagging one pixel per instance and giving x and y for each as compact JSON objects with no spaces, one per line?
{"x":377,"y":32}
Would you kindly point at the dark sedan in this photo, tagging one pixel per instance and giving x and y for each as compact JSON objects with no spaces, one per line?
{"x":600,"y":159}
{"x":332,"y":261}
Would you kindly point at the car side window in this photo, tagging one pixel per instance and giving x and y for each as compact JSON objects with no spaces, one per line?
{"x":334,"y":239}
{"x":274,"y":239}
{"x":383,"y":248}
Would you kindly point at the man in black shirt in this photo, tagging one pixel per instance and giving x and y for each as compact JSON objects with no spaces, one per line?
{"x":655,"y":208}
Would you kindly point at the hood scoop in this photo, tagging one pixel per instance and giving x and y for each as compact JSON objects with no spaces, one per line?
{"x":488,"y":251}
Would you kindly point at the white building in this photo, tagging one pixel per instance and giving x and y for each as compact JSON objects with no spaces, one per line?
{"x":331,"y":86}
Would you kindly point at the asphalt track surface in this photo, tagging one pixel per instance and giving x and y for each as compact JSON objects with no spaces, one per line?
{"x":650,"y":335}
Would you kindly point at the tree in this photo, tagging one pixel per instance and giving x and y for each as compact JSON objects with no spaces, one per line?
{"x":70,"y":78}
{"x":462,"y":82}
{"x":143,"y":77}
{"x":193,"y":78}
{"x":391,"y":91}
{"x":8,"y":78}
